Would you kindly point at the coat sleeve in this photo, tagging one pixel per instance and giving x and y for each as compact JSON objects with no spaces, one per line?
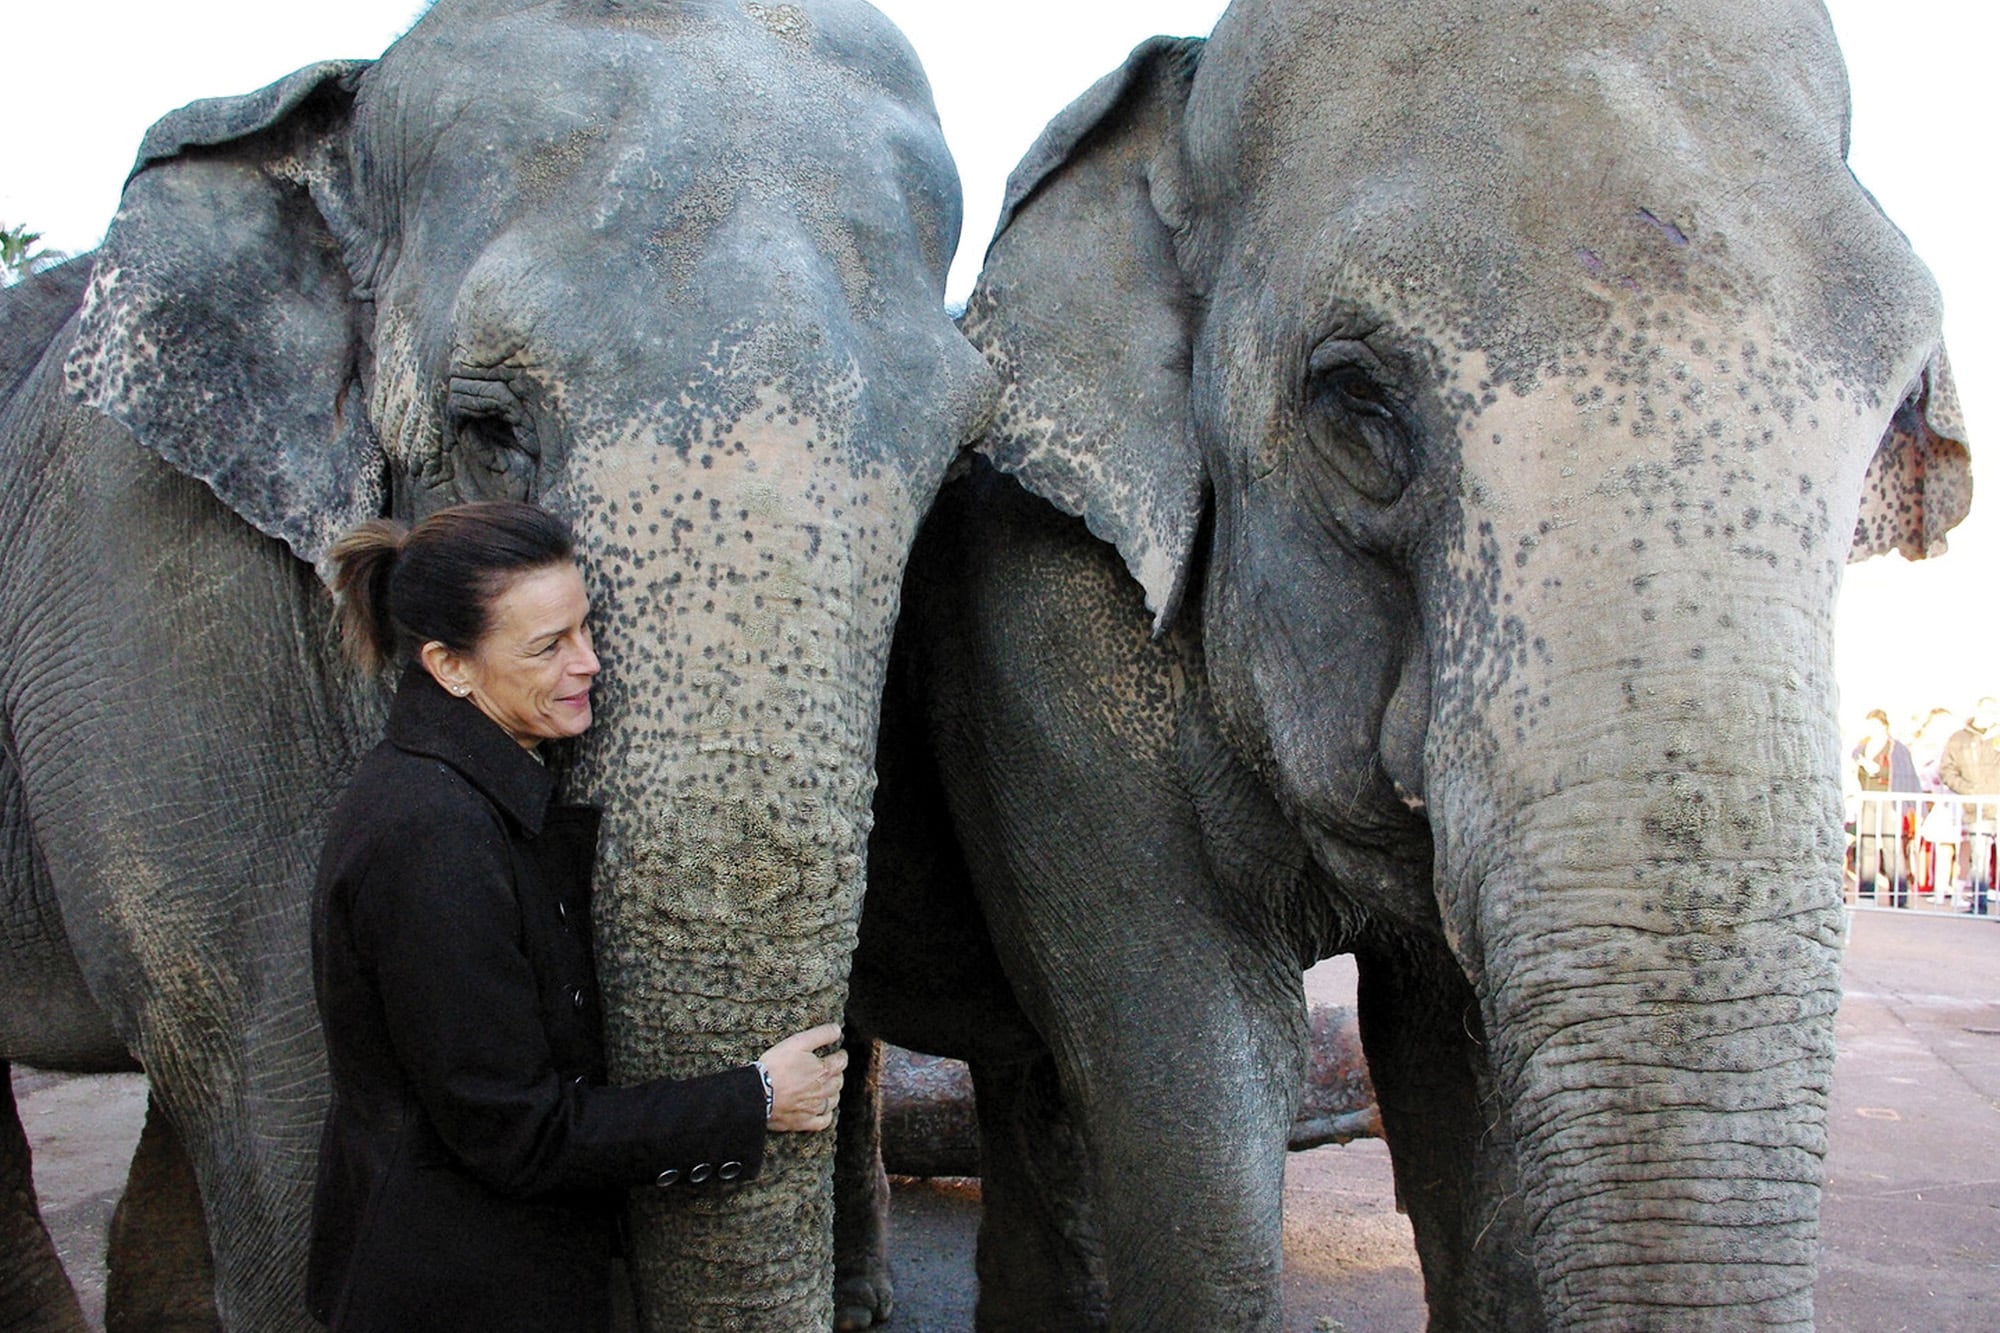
{"x":437,"y":914}
{"x":1951,"y":765}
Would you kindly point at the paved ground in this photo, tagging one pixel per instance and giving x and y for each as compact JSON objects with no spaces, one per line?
{"x":82,"y":1131}
{"x":1912,"y":1208}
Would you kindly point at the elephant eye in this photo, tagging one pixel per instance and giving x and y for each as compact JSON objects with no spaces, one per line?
{"x":491,"y":439}
{"x":1355,"y":420}
{"x":1357,"y":392}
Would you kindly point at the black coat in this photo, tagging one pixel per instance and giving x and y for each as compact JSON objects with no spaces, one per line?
{"x":473,"y":1163}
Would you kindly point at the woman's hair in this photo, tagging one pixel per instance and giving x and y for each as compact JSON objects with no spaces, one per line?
{"x":402,"y":587}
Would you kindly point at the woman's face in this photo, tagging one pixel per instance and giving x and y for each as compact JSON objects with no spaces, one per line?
{"x":533,"y":669}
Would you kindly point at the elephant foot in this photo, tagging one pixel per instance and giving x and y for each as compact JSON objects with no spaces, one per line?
{"x":863,"y":1295}
{"x":161,"y":1277}
{"x":864,"y":1301}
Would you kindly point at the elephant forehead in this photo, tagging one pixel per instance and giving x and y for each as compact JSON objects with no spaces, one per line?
{"x":1521,"y":181}
{"x":1386,"y":71}
{"x":652,"y":123}
{"x":583,"y":44}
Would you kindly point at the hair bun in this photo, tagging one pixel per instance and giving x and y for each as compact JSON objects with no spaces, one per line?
{"x":363,"y":559}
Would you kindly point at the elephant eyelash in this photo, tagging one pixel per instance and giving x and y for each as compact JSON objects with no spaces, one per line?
{"x":495,"y":441}
{"x":1350,"y":369}
{"x":1359,"y":393}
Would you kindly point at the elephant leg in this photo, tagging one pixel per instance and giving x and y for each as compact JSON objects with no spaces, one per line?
{"x":1452,"y":1161}
{"x":1041,"y":1254}
{"x":161,"y":1276}
{"x":35,"y":1294}
{"x":1187,"y":1096}
{"x":1158,"y":1120}
{"x":1139,"y":887}
{"x":863,"y":1292}
{"x":48,"y":1017}
{"x":192,"y":932}
{"x":926,"y":976}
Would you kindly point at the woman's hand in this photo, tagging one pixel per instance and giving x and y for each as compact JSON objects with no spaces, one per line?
{"x":805,"y":1087}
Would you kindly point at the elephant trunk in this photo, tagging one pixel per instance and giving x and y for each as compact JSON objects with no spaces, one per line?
{"x":745,"y":647}
{"x":730,"y":924}
{"x":1645,"y":893}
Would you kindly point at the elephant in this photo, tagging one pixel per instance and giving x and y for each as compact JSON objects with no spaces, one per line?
{"x":673,"y":269}
{"x":1431,"y":439}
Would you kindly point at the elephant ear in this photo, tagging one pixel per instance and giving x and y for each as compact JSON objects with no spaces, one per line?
{"x":1082,"y":310}
{"x":1919,"y":484}
{"x":220,"y":326}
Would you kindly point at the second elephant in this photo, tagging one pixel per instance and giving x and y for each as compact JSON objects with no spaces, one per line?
{"x":1430,"y":443}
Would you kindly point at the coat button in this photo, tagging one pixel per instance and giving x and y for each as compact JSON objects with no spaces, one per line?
{"x":670,"y":1176}
{"x":729,"y":1171}
{"x":562,"y":910}
{"x":700,"y":1174}
{"x":576,"y":996}
{"x":579,"y":1080}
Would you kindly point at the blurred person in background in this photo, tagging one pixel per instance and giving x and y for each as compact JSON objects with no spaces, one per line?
{"x":1927,"y":741}
{"x":1935,"y":858}
{"x":1882,"y":764}
{"x":1970,"y":766}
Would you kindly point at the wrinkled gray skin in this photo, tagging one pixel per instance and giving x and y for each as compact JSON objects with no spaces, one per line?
{"x":675,"y":270}
{"x":1469,"y":409}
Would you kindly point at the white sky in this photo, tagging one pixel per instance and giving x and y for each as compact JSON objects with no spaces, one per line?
{"x":1922,"y":73}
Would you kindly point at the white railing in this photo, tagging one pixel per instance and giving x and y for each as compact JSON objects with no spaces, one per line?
{"x":1923,"y":850}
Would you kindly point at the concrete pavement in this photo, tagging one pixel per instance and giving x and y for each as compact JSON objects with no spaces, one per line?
{"x":1911,"y":1223}
{"x":1911,"y":1217}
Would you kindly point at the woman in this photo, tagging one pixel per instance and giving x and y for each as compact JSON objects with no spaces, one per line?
{"x":473,"y":1163}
